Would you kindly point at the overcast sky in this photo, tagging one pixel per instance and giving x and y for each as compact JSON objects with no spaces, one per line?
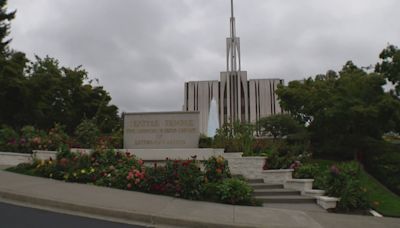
{"x":143,"y":51}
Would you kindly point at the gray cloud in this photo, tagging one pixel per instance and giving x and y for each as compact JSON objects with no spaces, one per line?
{"x":144,"y":50}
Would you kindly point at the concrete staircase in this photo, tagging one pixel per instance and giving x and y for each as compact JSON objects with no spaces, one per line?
{"x":275,"y":195}
{"x":277,"y":188}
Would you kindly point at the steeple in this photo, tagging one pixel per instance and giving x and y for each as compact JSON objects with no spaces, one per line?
{"x":233,"y":23}
{"x":233,"y":47}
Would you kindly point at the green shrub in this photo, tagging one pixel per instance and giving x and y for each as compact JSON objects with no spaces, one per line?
{"x":312,"y":171}
{"x":383,"y":162}
{"x":343,"y":181}
{"x":87,"y":133}
{"x":8,"y":139}
{"x":188,"y":176}
{"x":306,"y":171}
{"x":234,"y":191}
{"x":205,"y":142}
{"x":31,"y":139}
{"x":209,"y":191}
{"x":56,"y":138}
{"x":236,"y":137}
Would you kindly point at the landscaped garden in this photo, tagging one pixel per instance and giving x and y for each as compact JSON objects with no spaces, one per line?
{"x":339,"y":128}
{"x":178,"y":178}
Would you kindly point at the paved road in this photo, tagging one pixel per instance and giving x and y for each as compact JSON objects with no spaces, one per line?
{"x":12,"y":216}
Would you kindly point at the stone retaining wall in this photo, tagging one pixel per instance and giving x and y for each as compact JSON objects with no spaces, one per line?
{"x":249,"y":167}
{"x":12,"y":159}
{"x":277,"y":176}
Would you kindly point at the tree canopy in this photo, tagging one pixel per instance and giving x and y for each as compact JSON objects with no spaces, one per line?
{"x":390,"y":66}
{"x":42,"y":93}
{"x":342,"y":109}
{"x":279,"y":125}
{"x":5,"y":18}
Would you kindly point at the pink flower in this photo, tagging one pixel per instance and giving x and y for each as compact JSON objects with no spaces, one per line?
{"x":129,"y":186}
{"x":130,"y":176}
{"x":141,"y":162}
{"x":335,"y":170}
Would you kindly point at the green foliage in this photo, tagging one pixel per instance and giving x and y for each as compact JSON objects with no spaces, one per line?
{"x":342,"y":110}
{"x":41,"y":92}
{"x":205,"y":142}
{"x":383,"y":162}
{"x":87,"y":133}
{"x":280,"y":125}
{"x":343,"y":181}
{"x":177,"y":178}
{"x":390,"y":65}
{"x":315,"y":171}
{"x":56,"y":138}
{"x":8,"y":139}
{"x":216,"y":169}
{"x":189,"y":176}
{"x":30,"y":139}
{"x":236,"y":137}
{"x":5,"y":19}
{"x":234,"y":191}
{"x":47,"y":94}
{"x":282,"y":155}
{"x":274,"y":160}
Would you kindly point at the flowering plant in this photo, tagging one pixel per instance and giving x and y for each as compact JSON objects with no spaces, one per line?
{"x":216,"y":169}
{"x":179,"y":178}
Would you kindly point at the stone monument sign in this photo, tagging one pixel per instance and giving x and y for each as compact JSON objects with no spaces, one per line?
{"x":161,"y":130}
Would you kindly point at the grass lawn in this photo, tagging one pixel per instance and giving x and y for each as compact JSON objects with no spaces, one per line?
{"x":380,"y":198}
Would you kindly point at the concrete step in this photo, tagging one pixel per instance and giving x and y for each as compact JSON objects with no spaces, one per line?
{"x":254,"y":181}
{"x":313,"y":207}
{"x":286,"y":199}
{"x":265,"y":186}
{"x":276,"y":192}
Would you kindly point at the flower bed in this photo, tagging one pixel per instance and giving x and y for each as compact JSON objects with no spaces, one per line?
{"x":179,"y":178}
{"x":341,"y":180}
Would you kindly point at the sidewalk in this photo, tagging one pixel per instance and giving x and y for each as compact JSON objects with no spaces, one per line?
{"x":163,"y":210}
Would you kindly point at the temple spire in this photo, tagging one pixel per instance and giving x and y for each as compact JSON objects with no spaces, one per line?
{"x":233,"y":46}
{"x":232,"y":8}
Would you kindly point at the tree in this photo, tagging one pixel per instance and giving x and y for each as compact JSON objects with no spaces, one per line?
{"x":60,"y":95}
{"x":280,"y":125}
{"x":42,"y":93}
{"x":390,"y":65}
{"x":342,"y":110}
{"x":13,"y":90}
{"x":5,"y":19}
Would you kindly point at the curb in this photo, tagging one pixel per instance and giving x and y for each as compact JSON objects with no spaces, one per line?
{"x":133,"y":216}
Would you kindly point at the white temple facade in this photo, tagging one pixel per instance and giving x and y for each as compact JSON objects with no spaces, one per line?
{"x":238,"y":98}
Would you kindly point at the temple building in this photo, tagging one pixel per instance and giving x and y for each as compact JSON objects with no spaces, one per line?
{"x":238,"y":98}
